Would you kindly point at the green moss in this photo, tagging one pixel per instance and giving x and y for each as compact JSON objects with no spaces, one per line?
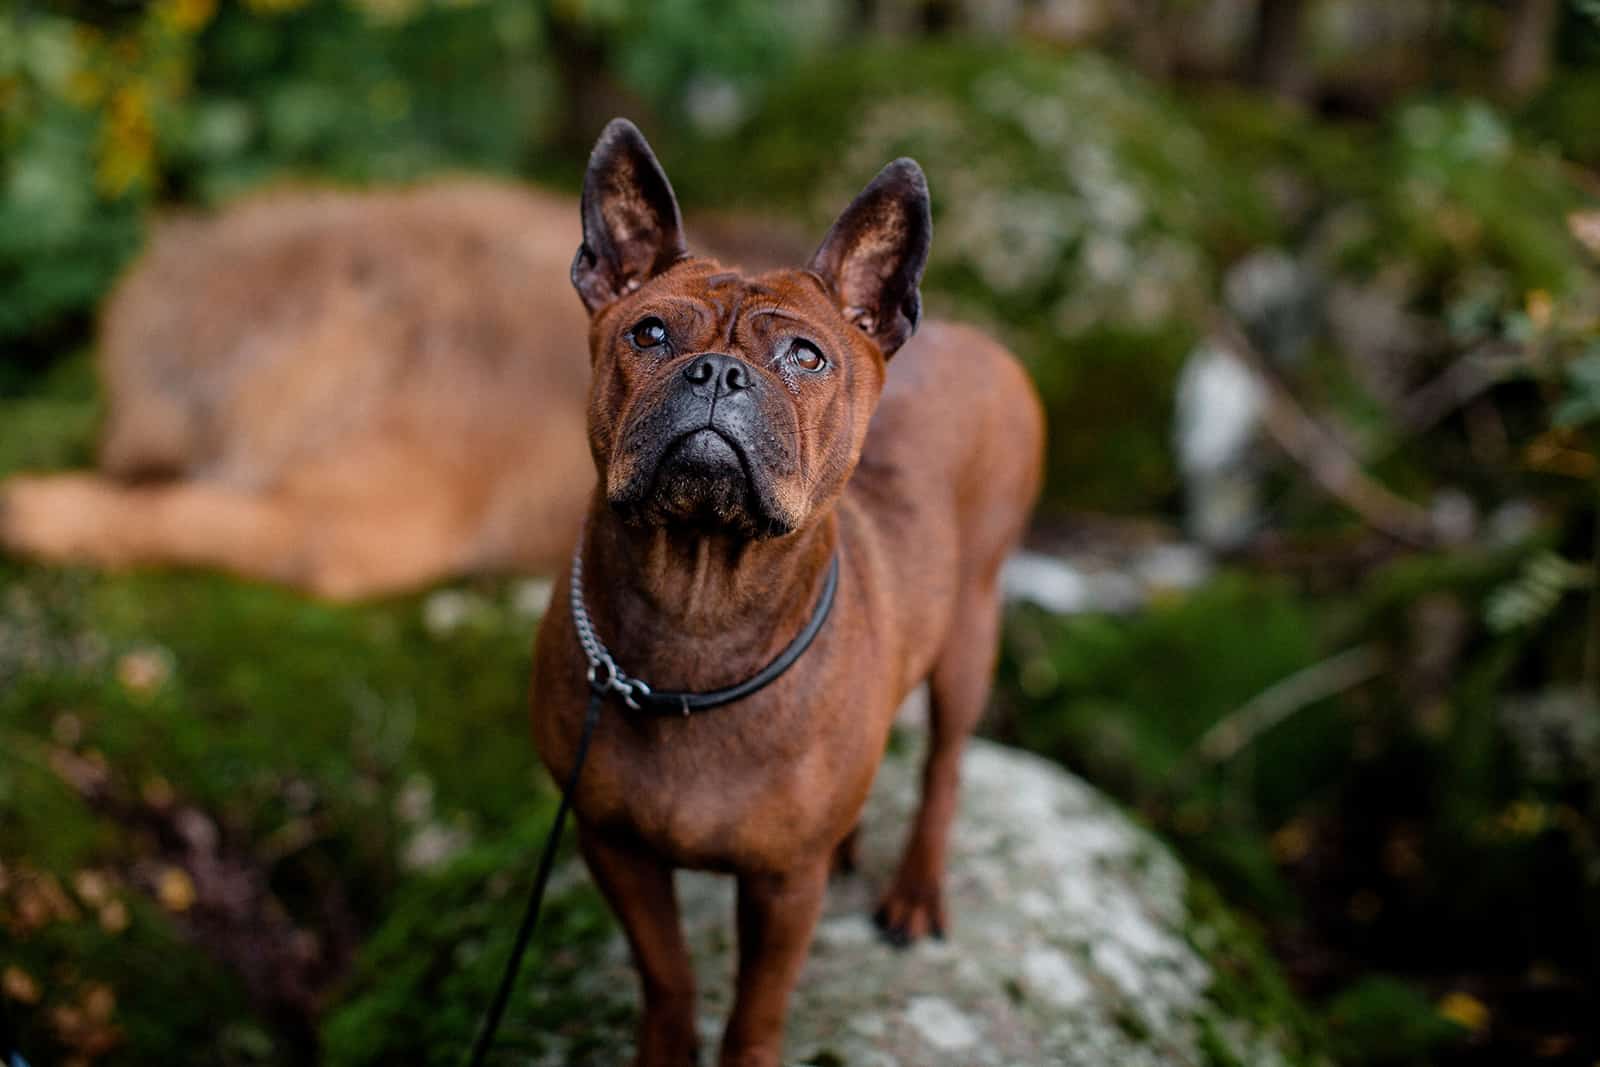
{"x":280,"y":717}
{"x":1247,"y":984}
{"x":444,"y":944}
{"x":171,"y":1003}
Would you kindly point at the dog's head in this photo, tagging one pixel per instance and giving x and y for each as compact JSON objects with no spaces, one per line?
{"x":731,"y":402}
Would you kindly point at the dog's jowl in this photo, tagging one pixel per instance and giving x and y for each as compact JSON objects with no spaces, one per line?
{"x":751,"y":434}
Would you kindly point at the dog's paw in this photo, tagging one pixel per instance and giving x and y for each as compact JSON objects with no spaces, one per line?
{"x":47,"y":516}
{"x":910,"y":912}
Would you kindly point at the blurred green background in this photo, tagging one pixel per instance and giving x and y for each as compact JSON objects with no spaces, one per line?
{"x":1373,"y":727}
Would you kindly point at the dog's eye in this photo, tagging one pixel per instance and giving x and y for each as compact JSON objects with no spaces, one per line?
{"x":806,"y":356}
{"x":649,"y":333}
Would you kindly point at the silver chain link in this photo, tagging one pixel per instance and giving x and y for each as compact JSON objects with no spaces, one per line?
{"x":604,"y":674}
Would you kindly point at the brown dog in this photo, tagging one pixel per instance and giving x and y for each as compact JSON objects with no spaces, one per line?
{"x":746,"y":430}
{"x":350,"y":392}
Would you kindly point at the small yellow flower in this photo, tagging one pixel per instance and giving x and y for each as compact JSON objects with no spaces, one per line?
{"x":127,"y":149}
{"x":1466,"y":1011}
{"x":175,"y":890}
{"x":1524,"y":819}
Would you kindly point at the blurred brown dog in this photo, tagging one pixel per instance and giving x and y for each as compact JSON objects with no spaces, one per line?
{"x":354,"y":393}
{"x":747,"y":430}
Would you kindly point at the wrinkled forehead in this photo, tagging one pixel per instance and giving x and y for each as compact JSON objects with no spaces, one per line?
{"x":729,"y":294}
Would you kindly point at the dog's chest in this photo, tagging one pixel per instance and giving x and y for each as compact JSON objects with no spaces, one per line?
{"x":721,"y":795}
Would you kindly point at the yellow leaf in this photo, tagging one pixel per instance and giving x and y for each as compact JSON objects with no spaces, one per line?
{"x":1466,"y":1011}
{"x":114,"y":917}
{"x":1292,"y":841}
{"x":19,"y":985}
{"x":1539,"y":308}
{"x":99,"y":1003}
{"x":186,"y":16}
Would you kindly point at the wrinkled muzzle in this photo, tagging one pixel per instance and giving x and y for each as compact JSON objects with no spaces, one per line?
{"x":704,"y":451}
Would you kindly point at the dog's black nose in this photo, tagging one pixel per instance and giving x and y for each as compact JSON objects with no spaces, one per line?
{"x":730,"y":374}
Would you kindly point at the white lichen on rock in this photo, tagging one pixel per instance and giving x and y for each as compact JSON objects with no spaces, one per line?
{"x":1068,"y":944}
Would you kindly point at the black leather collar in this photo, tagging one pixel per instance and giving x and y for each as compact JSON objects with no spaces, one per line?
{"x":606,"y":677}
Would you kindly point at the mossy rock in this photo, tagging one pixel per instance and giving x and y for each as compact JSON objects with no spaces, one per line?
{"x":1077,"y":939}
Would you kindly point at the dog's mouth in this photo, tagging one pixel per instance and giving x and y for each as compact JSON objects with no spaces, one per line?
{"x":705,"y":453}
{"x":705,"y":477}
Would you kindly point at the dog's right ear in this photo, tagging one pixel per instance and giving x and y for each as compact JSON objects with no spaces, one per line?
{"x":631,"y":228}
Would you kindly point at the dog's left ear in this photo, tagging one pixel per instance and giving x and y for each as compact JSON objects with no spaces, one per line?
{"x":631,"y":228}
{"x":872,"y":258}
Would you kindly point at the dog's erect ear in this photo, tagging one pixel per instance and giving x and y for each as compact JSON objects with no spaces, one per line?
{"x":631,"y":229}
{"x":873,"y":256}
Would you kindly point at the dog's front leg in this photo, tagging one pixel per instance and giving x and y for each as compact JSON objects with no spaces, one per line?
{"x":777,"y":914}
{"x":639,"y":888}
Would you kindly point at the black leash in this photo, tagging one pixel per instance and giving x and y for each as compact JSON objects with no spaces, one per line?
{"x":10,"y":1053}
{"x":606,"y":677}
{"x":530,"y":917}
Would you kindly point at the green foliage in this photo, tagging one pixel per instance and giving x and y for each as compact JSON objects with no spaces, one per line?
{"x":1563,"y":113}
{"x":366,"y":91}
{"x":70,"y":173}
{"x":1073,"y":206}
{"x":1247,"y":983}
{"x":168,"y":999}
{"x":1136,"y":726}
{"x":703,"y":61}
{"x":1385,"y":1021}
{"x":1581,"y":405}
{"x":1125,"y":700}
{"x":1544,"y":580}
{"x":1462,"y":191}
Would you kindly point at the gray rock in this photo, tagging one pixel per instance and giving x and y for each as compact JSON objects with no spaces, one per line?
{"x":1071,"y":943}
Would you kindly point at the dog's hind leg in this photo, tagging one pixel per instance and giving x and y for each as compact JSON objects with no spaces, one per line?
{"x":640,"y":891}
{"x":345,"y":549}
{"x":958,"y":690}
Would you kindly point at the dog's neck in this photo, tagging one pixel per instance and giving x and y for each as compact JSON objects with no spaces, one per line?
{"x":698,"y":610}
